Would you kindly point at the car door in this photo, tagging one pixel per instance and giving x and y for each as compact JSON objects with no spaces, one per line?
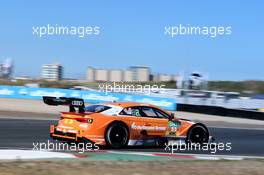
{"x":133,"y":116}
{"x":154,"y":120}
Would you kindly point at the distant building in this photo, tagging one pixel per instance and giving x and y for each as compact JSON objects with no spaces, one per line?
{"x":101,"y":75}
{"x":176,"y":77}
{"x":162,"y":77}
{"x":140,"y":73}
{"x":52,"y":72}
{"x":115,"y":75}
{"x":127,"y":75}
{"x":135,"y":73}
{"x":90,"y":74}
{"x":165,"y":77}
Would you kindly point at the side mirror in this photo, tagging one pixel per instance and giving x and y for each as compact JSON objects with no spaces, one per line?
{"x":172,"y":116}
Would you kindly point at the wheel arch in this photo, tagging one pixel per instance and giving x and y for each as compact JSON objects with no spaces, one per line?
{"x":114,"y":122}
{"x":198,"y":124}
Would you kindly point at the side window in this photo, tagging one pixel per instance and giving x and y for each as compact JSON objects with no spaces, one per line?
{"x":133,"y":111}
{"x":161,"y":114}
{"x":153,"y":112}
{"x":149,"y":112}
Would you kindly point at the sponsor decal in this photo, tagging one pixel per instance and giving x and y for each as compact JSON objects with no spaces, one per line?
{"x":173,"y":126}
{"x":142,"y":127}
{"x":87,"y":96}
{"x":68,"y":121}
{"x":6,"y":91}
{"x":77,"y":103}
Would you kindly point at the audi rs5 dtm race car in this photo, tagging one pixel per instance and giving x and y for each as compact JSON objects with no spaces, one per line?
{"x":119,"y":124}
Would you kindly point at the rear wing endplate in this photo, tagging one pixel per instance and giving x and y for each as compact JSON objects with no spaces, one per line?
{"x":71,"y":102}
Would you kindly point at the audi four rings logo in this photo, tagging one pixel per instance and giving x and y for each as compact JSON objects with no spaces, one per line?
{"x":77,"y":103}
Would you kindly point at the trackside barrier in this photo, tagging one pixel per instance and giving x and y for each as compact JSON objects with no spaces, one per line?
{"x":217,"y":110}
{"x":21,"y":92}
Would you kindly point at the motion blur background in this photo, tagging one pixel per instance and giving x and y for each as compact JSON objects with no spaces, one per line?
{"x":132,"y":46}
{"x":127,"y":45}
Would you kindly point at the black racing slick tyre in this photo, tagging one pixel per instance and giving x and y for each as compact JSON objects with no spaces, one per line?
{"x":117,"y":135}
{"x":198,"y":134}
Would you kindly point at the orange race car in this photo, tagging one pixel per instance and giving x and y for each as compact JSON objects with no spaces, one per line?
{"x":118,"y":124}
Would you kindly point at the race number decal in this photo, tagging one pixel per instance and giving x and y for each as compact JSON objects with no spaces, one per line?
{"x":173,"y":126}
{"x":68,"y":121}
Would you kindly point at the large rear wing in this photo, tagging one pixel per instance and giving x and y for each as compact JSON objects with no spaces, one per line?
{"x":71,"y":102}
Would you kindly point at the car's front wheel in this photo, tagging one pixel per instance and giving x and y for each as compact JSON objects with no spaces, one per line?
{"x":198,"y":134}
{"x":117,"y":135}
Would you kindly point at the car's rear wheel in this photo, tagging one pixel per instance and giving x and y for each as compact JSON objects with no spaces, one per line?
{"x":198,"y":134}
{"x":117,"y":135}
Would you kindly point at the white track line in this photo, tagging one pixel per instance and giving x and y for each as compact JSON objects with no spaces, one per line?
{"x":28,"y":118}
{"x":211,"y":156}
{"x":30,"y":154}
{"x":242,"y":128}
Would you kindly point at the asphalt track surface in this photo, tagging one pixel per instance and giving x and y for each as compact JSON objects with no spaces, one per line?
{"x":22,"y":133}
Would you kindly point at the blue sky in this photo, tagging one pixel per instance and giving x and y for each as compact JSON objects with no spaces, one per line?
{"x":132,"y":33}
